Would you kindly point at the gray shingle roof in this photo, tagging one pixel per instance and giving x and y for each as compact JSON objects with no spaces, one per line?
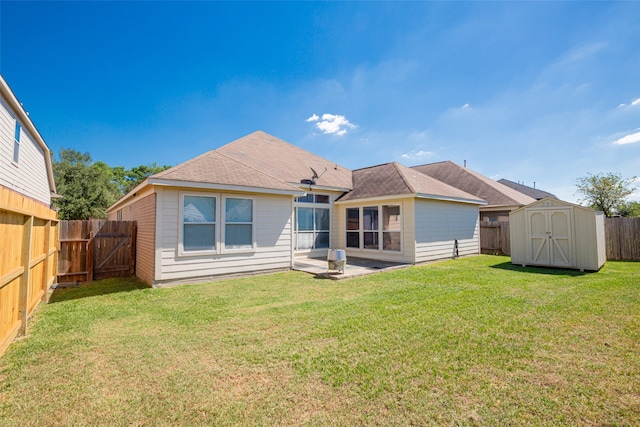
{"x":216,"y":168}
{"x":524,"y":189}
{"x":286,"y":161}
{"x":393,"y":179}
{"x":494,"y":193}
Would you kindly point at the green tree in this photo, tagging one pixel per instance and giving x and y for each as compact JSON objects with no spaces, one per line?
{"x":604,"y":192}
{"x":134,"y":176}
{"x":630,"y":209}
{"x":87,"y":188}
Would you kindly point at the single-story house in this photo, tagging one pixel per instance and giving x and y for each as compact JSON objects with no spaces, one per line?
{"x":500,"y":199}
{"x":258,"y":202}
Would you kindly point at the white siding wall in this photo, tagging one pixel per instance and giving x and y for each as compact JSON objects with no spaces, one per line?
{"x":29,"y":176}
{"x":273,"y":233}
{"x":439,"y":224}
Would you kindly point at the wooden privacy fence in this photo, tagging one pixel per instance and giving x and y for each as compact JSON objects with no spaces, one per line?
{"x":622,"y":237}
{"x":494,"y":238}
{"x":96,"y":249}
{"x":28,"y":260}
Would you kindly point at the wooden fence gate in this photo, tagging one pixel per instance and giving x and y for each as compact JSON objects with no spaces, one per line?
{"x":96,"y":249}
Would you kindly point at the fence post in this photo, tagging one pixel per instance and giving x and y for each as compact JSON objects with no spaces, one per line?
{"x":45,"y":267}
{"x":25,"y":259}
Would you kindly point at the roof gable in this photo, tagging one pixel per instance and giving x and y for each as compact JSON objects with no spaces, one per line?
{"x":286,"y":161}
{"x":477,"y":184}
{"x":394,"y":179}
{"x":216,"y":168}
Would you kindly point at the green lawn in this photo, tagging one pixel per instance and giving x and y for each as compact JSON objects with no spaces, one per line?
{"x":472,"y":341}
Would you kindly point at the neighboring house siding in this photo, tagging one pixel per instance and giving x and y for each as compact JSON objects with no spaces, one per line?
{"x":143,"y":211}
{"x":29,"y":175}
{"x":439,"y":224}
{"x":273,"y":234}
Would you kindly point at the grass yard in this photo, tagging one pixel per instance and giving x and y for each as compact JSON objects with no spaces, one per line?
{"x":472,"y":341}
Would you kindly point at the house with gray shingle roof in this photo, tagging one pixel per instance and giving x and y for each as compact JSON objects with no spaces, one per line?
{"x":258,"y":202}
{"x":525,"y":189}
{"x":500,"y":199}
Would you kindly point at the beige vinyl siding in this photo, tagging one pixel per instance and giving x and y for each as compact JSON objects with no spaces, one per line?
{"x":406,"y":253}
{"x":143,"y":211}
{"x":29,"y":175}
{"x":439,"y":224}
{"x":273,"y":234}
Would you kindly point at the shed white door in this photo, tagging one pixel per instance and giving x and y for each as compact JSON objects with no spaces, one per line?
{"x":550,"y":237}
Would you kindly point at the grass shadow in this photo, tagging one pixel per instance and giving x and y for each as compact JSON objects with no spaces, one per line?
{"x":98,"y":287}
{"x":540,"y":270}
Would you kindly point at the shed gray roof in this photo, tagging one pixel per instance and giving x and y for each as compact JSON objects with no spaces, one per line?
{"x":394,"y":179}
{"x":493,"y":192}
{"x":525,"y":189}
{"x":286,"y":161}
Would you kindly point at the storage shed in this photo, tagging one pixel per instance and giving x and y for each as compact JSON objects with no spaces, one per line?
{"x":554,"y":233}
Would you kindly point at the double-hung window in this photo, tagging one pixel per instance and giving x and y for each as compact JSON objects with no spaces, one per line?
{"x":238,"y":225}
{"x":215,"y":224}
{"x":16,"y":143}
{"x":199,"y":223}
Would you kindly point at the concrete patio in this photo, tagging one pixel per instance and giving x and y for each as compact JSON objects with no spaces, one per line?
{"x":353,"y":268}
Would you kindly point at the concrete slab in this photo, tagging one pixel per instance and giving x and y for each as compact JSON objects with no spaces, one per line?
{"x":354,"y":267}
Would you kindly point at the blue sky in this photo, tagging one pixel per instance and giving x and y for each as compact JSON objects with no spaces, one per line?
{"x":542,"y":92}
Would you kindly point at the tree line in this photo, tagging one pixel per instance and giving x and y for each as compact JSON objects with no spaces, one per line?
{"x":88,"y":188}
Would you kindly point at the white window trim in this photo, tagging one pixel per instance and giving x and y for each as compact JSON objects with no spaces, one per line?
{"x":219,"y":228}
{"x":16,"y":143}
{"x":223,"y":224}
{"x":314,"y":205}
{"x":380,"y":230}
{"x":181,"y":251}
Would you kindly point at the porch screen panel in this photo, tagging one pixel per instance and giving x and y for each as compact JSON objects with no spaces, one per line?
{"x":370,"y":226}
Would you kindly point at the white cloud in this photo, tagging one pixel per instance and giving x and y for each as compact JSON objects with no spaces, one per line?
{"x":634,"y":103}
{"x":416,"y":155}
{"x":628,"y":139}
{"x":332,"y":124}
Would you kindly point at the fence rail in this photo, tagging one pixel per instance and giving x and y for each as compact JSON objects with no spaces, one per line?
{"x":28,"y":260}
{"x":622,"y":237}
{"x":96,"y":249}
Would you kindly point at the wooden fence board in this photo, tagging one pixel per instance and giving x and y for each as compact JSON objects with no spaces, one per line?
{"x":96,"y":249}
{"x":28,"y":250}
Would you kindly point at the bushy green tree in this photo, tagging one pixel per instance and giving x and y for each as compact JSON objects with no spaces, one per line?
{"x":630,"y":209}
{"x":87,"y":188}
{"x":604,"y":192}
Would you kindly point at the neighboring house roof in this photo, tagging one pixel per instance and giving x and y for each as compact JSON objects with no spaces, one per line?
{"x":525,"y":189}
{"x":494,"y":193}
{"x":393,"y":179}
{"x":24,"y":119}
{"x":286,"y":161}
